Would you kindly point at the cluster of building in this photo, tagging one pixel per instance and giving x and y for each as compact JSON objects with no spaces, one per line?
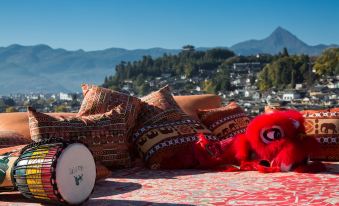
{"x":60,"y":102}
{"x":323,"y":94}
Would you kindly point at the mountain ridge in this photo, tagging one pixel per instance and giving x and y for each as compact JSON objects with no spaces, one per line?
{"x":64,"y":69}
{"x":43,"y":69}
{"x":275,"y":42}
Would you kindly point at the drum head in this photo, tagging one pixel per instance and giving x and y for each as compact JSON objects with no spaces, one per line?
{"x":75,"y":173}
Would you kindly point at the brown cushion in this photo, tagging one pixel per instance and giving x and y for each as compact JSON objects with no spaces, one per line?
{"x":105,"y":134}
{"x":17,"y":122}
{"x":98,"y":100}
{"x":225,"y":122}
{"x":10,"y":139}
{"x":164,"y":134}
{"x":324,"y":126}
{"x":191,"y":103}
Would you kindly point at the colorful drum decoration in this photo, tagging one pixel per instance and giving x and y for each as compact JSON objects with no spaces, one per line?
{"x":55,"y":171}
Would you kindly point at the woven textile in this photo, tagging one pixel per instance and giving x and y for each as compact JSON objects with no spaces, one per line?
{"x":141,"y":187}
{"x":105,"y":134}
{"x":158,"y":107}
{"x":98,"y":100}
{"x":225,"y":122}
{"x":10,"y":138}
{"x":165,"y":134}
{"x":324,"y":126}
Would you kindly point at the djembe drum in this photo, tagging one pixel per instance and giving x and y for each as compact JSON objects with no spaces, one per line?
{"x":55,"y":171}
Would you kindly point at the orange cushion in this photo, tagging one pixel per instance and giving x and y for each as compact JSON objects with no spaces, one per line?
{"x":191,"y":103}
{"x":17,"y":122}
{"x":102,"y":171}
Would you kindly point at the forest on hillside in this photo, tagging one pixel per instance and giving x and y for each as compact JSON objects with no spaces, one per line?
{"x":280,"y":71}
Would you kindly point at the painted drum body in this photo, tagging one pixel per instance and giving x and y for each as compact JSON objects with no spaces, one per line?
{"x":57,"y":171}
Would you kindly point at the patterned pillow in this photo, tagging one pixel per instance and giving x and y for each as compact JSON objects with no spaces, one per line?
{"x":105,"y":134}
{"x":225,"y":122}
{"x":324,"y":126}
{"x":98,"y":100}
{"x":165,"y":135}
{"x":10,"y":139}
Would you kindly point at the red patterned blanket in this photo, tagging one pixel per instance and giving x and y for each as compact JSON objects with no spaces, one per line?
{"x":140,"y":186}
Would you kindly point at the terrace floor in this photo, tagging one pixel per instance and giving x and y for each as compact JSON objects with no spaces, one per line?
{"x":139,"y":186}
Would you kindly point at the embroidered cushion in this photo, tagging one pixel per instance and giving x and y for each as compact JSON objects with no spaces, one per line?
{"x":324,"y":126}
{"x":98,"y":100}
{"x":225,"y":122}
{"x":105,"y":134}
{"x":164,"y":135}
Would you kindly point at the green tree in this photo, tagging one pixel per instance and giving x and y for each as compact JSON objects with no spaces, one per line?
{"x":188,"y":69}
{"x":11,"y":109}
{"x":188,"y":48}
{"x":264,"y":80}
{"x":285,"y":52}
{"x":61,"y":108}
{"x":285,"y":71}
{"x":328,"y":62}
{"x":208,"y":86}
{"x":222,"y":79}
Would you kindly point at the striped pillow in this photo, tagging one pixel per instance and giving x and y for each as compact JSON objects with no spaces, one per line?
{"x":165,"y":135}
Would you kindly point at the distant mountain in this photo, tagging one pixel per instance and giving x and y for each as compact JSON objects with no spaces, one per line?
{"x":40,"y":68}
{"x":275,"y":43}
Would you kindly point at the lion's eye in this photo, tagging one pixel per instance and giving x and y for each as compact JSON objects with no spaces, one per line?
{"x":270,"y":134}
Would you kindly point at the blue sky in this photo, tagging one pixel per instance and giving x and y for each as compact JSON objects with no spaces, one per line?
{"x":131,"y":24}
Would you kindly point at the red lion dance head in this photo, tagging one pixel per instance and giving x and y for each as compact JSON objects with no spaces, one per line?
{"x":276,"y":142}
{"x":273,"y":142}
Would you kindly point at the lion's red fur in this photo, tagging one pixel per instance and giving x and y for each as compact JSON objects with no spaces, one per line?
{"x":285,"y":148}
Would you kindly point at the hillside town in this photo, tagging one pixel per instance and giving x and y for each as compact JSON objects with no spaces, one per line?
{"x":322,"y":94}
